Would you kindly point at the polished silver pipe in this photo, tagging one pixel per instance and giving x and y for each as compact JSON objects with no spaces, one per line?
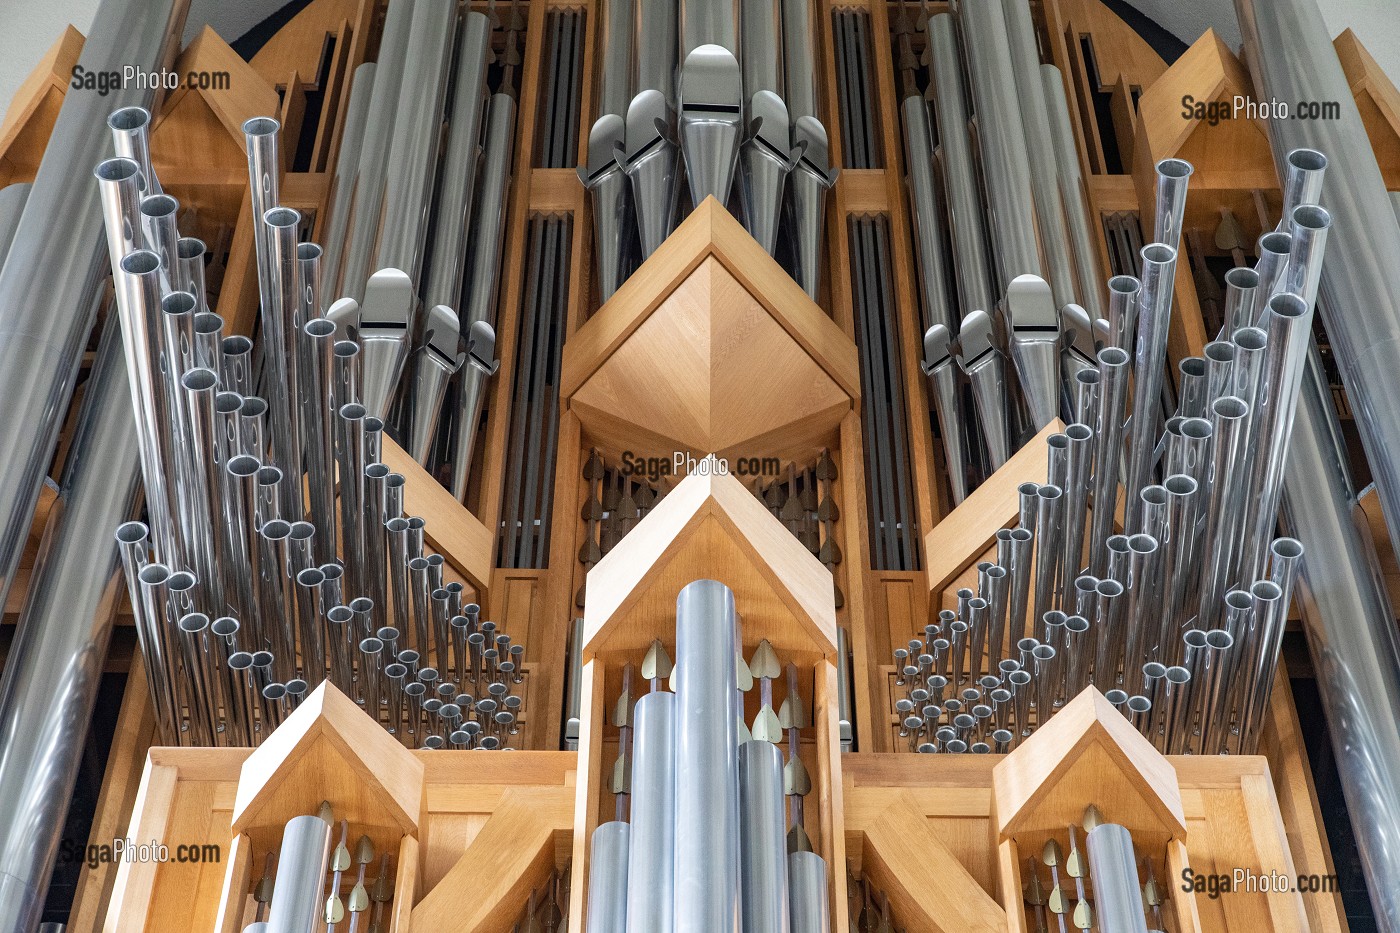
{"x":1036,"y":126}
{"x":1107,"y":624}
{"x":301,"y":875}
{"x":1079,"y":462}
{"x":434,"y":364}
{"x":979,"y":357}
{"x":1191,"y":387}
{"x":339,"y":639}
{"x":1303,"y":174}
{"x":1350,"y":625}
{"x":318,"y":339}
{"x":308,"y":620}
{"x":374,"y":583}
{"x":1243,"y":297}
{"x":1049,"y":548}
{"x":352,"y":137}
{"x":926,"y":215}
{"x":710,"y":122}
{"x":237,"y":524}
{"x":461,"y":156}
{"x":1113,"y":393}
{"x":1183,"y":510}
{"x":44,"y":330}
{"x":192,"y":633}
{"x":1288,"y":322}
{"x":280,"y":338}
{"x":945,"y":387}
{"x":12,"y":200}
{"x":1222,"y":504}
{"x":1124,"y":292}
{"x":1002,"y":143}
{"x":252,"y":427}
{"x":1034,"y":324}
{"x":64,"y":627}
{"x":189,"y":274}
{"x":371,"y":667}
{"x":268,"y":495}
{"x":965,"y":218}
{"x":1084,"y":407}
{"x":232,"y":727}
{"x":808,"y":185}
{"x":158,"y":214}
{"x":350,"y":453}
{"x":1018,"y":599}
{"x":237,"y":355}
{"x":1153,"y":321}
{"x":607,"y":878}
{"x":763,"y":853}
{"x":809,"y":908}
{"x":278,"y":595}
{"x":1220,"y":366}
{"x":707,"y":859}
{"x":1144,"y":565}
{"x":1114,"y":868}
{"x":131,"y":139}
{"x":1208,"y":696}
{"x":1273,"y":260}
{"x":1074,"y":194}
{"x":413,"y":150}
{"x":764,"y":157}
{"x":1173,"y":180}
{"x":205,"y":477}
{"x":154,"y":581}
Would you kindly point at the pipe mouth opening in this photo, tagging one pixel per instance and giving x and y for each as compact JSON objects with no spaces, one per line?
{"x":1117,"y":543}
{"x":180,"y":581}
{"x":276,"y":530}
{"x":262,"y":658}
{"x":1021,"y":534}
{"x":1139,"y":704}
{"x":1198,"y":429}
{"x":345,"y":348}
{"x":1220,"y":351}
{"x":1230,"y":407}
{"x":282,"y":217}
{"x":296,"y":686}
{"x":1079,"y":432}
{"x":373,"y":425}
{"x":270,"y":476}
{"x":1175,"y":168}
{"x":1219,"y":638}
{"x":415,"y":689}
{"x":1193,"y":366}
{"x":1194,"y":638}
{"x":1287,"y":548}
{"x":240,"y":661}
{"x":1054,"y":617}
{"x":190,"y":247}
{"x":1266,"y":590}
{"x":1142,"y":544}
{"x":1086,"y":583}
{"x":178,"y":303}
{"x":319,"y":327}
{"x":192,"y":623}
{"x":1028,"y":489}
{"x":199,"y":380}
{"x":243,"y":465}
{"x":1125,"y":284}
{"x":311,"y":577}
{"x":1179,"y":484}
{"x":227,"y":403}
{"x":127,"y":119}
{"x":339,"y":615}
{"x":1154,"y":669}
{"x":301,"y":531}
{"x":995,"y":572}
{"x":225,"y":626}
{"x":274,"y":691}
{"x":1250,"y":338}
{"x":154,"y":574}
{"x":260,"y":126}
{"x":1043,"y":653}
{"x":207,"y":322}
{"x":140,"y":262}
{"x":132,"y":532}
{"x":1019,"y":678}
{"x":1178,"y":675}
{"x":376,"y":471}
{"x":1077,"y":624}
{"x":253,"y":407}
{"x":1242,"y":278}
{"x":1113,"y":356}
{"x":372,"y":645}
{"x":395,"y":670}
{"x":387,"y":633}
{"x":1154,"y":495}
{"x":236,"y":345}
{"x":309,"y":251}
{"x":415,"y":523}
{"x":159,"y":205}
{"x":1049,"y":491}
{"x":396,"y":525}
{"x":1309,"y":160}
{"x":1288,"y":306}
{"x":1088,"y":377}
{"x":1109,"y":588}
{"x":1276,"y":242}
{"x":352,"y":412}
{"x":1116,"y":697}
{"x":118,"y":169}
{"x":1158,"y":253}
{"x":1239,"y":599}
{"x":361,"y":604}
{"x":394,"y":481}
{"x":1311,"y":217}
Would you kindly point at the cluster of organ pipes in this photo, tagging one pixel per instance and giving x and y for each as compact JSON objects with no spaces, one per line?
{"x":277,"y":554}
{"x":707,"y":90}
{"x":1179,"y":619}
{"x":416,"y":225}
{"x":709,"y":831}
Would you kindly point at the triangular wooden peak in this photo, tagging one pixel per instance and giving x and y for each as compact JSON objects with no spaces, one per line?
{"x":1087,"y":753}
{"x":963,"y":536}
{"x":711,"y":527}
{"x":199,"y":130}
{"x":1232,"y":154}
{"x":710,"y":347}
{"x":24,"y":134}
{"x":1378,"y":100}
{"x":330,"y":749}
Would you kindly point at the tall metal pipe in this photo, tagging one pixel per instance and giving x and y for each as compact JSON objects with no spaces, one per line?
{"x":707,"y":787}
{"x":43,"y":330}
{"x":807,"y":893}
{"x":12,"y":200}
{"x":53,"y":669}
{"x":651,"y":853}
{"x":1113,"y":866}
{"x":763,"y":883}
{"x":1074,"y":194}
{"x":301,"y":873}
{"x":1153,"y":319}
{"x":352,"y":137}
{"x":607,"y":878}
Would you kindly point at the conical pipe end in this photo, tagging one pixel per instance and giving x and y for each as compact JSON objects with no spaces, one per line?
{"x":711,"y":121}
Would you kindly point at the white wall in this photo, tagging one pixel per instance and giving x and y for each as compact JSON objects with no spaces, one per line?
{"x":30,"y":26}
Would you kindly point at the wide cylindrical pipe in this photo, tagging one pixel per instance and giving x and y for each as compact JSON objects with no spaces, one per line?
{"x":707,"y":786}
{"x":1153,"y":321}
{"x":352,"y":135}
{"x":764,"y":878}
{"x":1108,"y":437}
{"x":1173,"y":179}
{"x":301,"y":875}
{"x":650,"y":859}
{"x":807,"y":893}
{"x":53,"y":669}
{"x":607,"y":878}
{"x":1113,"y":866}
{"x":1083,"y":231}
{"x":12,"y":200}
